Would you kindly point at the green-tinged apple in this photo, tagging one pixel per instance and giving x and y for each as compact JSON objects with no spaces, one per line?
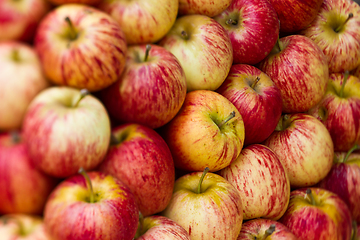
{"x":151,"y":89}
{"x":317,"y":214}
{"x":158,"y":227}
{"x":81,"y":47}
{"x":91,"y":205}
{"x":256,"y":97}
{"x":203,"y":48}
{"x":208,"y":131}
{"x":304,"y":147}
{"x":141,"y":159}
{"x":142,"y":21}
{"x":339,"y":110}
{"x":336,"y":31}
{"x":65,"y":129}
{"x":207,"y":206}
{"x":295,"y":15}
{"x":208,"y":8}
{"x":23,"y":188}
{"x":21,"y":79}
{"x":19,"y":19}
{"x":253,"y":28}
{"x":22,"y":227}
{"x":300,"y":70}
{"x":265,"y":229}
{"x":262,"y":182}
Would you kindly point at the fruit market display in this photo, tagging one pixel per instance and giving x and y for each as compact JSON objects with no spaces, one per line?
{"x":179,"y":119}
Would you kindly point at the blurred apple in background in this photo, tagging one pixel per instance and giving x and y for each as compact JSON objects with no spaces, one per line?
{"x":92,"y":206}
{"x":65,"y":129}
{"x":256,"y":97}
{"x":207,"y":206}
{"x":203,"y":48}
{"x":253,"y":28}
{"x":85,"y":2}
{"x":151,"y":89}
{"x":300,"y":70}
{"x":304,"y":147}
{"x":336,"y":31}
{"x":208,"y":132}
{"x":208,"y":8}
{"x":21,"y":79}
{"x":80,"y":46}
{"x":317,"y":214}
{"x":19,"y":19}
{"x":142,"y":21}
{"x":339,"y":110}
{"x":141,"y":159}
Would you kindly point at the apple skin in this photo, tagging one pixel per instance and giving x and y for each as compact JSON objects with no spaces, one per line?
{"x":93,"y":60}
{"x":295,"y":15}
{"x":304,"y":147}
{"x":205,"y":53}
{"x":21,"y":79}
{"x":340,"y":115}
{"x":148,"y":92}
{"x":62,"y":138}
{"x":330,"y":219}
{"x":261,"y":180}
{"x":302,"y":82}
{"x":69,"y":215}
{"x":342,"y":49}
{"x":257,"y":227}
{"x":260,"y":106}
{"x":142,"y":160}
{"x":255,"y":32}
{"x":157,"y":227}
{"x":22,"y":227}
{"x":23,"y":188}
{"x":208,"y":8}
{"x":142,"y":21}
{"x":194,"y":137}
{"x":19,"y":19}
{"x":214,"y":213}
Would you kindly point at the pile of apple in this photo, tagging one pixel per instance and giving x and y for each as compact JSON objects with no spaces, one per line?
{"x":178,"y":119}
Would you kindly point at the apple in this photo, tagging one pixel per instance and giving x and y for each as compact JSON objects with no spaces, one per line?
{"x":141,"y":159}
{"x":208,"y":131}
{"x":22,"y":227}
{"x":92,"y":205}
{"x":86,"y":2}
{"x":21,"y":79}
{"x":207,"y":206}
{"x":304,"y":147}
{"x":208,"y":8}
{"x":142,"y":21}
{"x":23,"y":188}
{"x":336,"y":31}
{"x":151,"y":89}
{"x":19,"y":19}
{"x":65,"y":129}
{"x":159,"y":227}
{"x":253,"y":28}
{"x":260,"y":228}
{"x":81,"y":47}
{"x":356,"y":71}
{"x":300,"y":70}
{"x":339,"y":110}
{"x":317,"y":214}
{"x":203,"y":48}
{"x":256,"y":97}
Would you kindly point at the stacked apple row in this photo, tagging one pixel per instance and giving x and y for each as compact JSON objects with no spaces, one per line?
{"x":189,"y":122}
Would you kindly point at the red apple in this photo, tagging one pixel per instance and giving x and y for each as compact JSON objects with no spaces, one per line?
{"x":208,"y":8}
{"x":253,"y":28}
{"x":151,"y":89}
{"x":256,"y":97}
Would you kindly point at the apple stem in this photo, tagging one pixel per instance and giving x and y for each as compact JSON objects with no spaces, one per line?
{"x":311,"y":196}
{"x":269,"y":231}
{"x":231,"y":116}
{"x":184,"y":34}
{"x":72,"y":32}
{"x":278,"y":44}
{"x":255,"y":82}
{"x":351,"y":15}
{"x":89,"y":185}
{"x":354,"y":230}
{"x":15,"y":136}
{"x":139,"y":230}
{"x":148,"y":48}
{"x":355,"y":147}
{"x":114,"y":140}
{"x":346,"y":76}
{"x":231,"y":22}
{"x":16,"y":55}
{"x":206,"y":170}
{"x":83,"y":93}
